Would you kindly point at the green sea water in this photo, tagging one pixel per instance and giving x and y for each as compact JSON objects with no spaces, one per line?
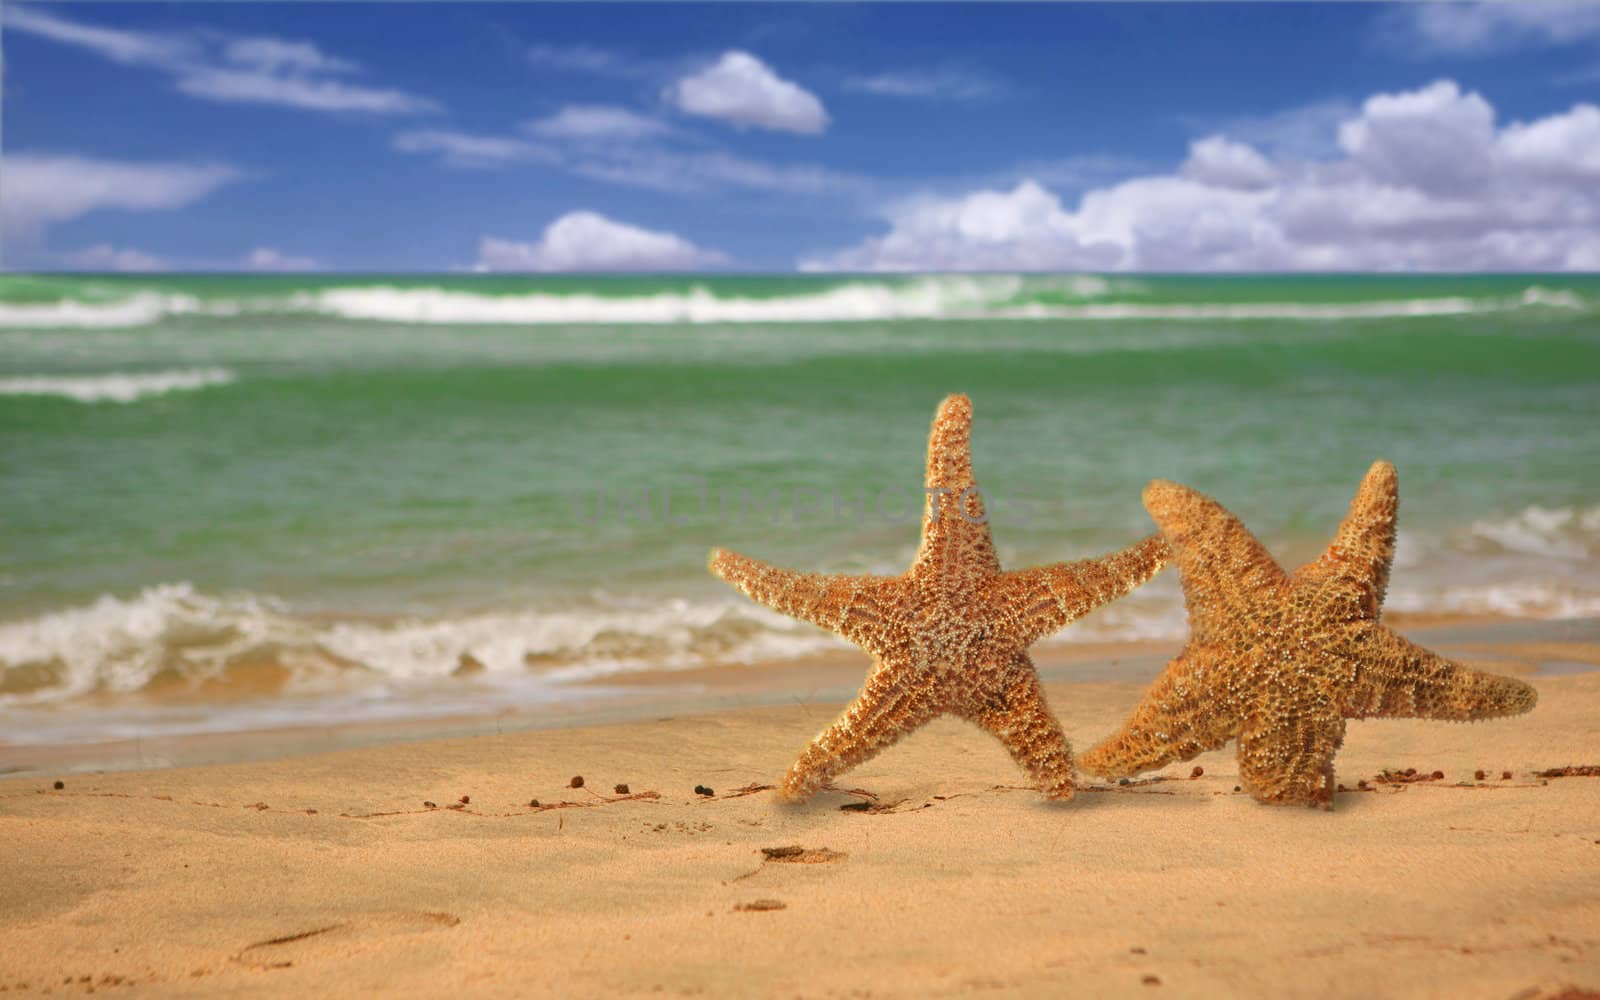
{"x":374,"y":480}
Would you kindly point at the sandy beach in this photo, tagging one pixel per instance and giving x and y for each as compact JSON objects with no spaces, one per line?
{"x":422,"y":867}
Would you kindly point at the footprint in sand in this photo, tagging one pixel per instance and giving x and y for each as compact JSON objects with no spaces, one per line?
{"x":301,"y":946}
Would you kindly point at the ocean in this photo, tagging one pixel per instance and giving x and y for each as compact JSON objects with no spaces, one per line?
{"x":249,"y":501}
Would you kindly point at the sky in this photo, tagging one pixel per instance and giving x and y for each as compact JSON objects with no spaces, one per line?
{"x":434,"y":137}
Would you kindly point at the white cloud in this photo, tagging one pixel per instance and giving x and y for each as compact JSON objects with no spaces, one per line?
{"x":1221,"y":162}
{"x":207,"y":65}
{"x":118,"y":45}
{"x":267,"y":87}
{"x":1566,"y":144}
{"x":273,"y":54}
{"x":108,"y":258}
{"x":1307,"y":132}
{"x":588,"y":241}
{"x":743,"y":90}
{"x":463,"y":149}
{"x":1427,"y":181}
{"x":37,"y":190}
{"x":939,"y":84}
{"x":1486,"y":27}
{"x":596,"y":121}
{"x":1436,"y":139}
{"x":648,"y":165}
{"x":589,"y":59}
{"x":269,"y":259}
{"x":671,"y":170}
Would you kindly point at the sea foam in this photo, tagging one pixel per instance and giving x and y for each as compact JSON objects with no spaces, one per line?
{"x":940,"y":297}
{"x":115,"y":387}
{"x":141,"y":309}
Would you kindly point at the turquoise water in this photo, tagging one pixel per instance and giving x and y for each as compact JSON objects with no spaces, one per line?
{"x":373,"y":482}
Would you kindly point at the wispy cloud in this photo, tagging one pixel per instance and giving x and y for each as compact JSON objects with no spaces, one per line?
{"x":592,"y":60}
{"x":691,"y":172}
{"x":648,"y":163}
{"x":474,"y":152}
{"x":947,"y":84}
{"x":1478,"y":28}
{"x":596,"y":122}
{"x":37,"y":190}
{"x":232,"y":69}
{"x":105,"y":257}
{"x":272,"y":259}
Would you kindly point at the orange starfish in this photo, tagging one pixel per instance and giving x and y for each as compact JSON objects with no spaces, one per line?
{"x":951,"y":634}
{"x":1282,"y":660}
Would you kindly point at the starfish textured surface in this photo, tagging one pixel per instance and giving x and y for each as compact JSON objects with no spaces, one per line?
{"x":950,"y":635}
{"x":1282,"y":660}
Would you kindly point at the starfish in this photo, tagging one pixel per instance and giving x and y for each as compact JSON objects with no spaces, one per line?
{"x":951,"y":634}
{"x":1282,"y":660}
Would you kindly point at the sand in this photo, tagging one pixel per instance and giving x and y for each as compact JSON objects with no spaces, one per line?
{"x":931,"y":871}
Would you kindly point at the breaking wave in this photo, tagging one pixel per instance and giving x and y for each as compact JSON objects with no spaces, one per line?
{"x":115,"y":387}
{"x":174,"y":634}
{"x":952,"y":297}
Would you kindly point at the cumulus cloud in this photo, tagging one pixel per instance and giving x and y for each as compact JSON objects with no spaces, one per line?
{"x":588,"y":241}
{"x":37,"y":190}
{"x":596,"y":122}
{"x":269,"y":259}
{"x":215,"y":67}
{"x":1566,"y":145}
{"x":1306,"y":132}
{"x":105,"y":257}
{"x":743,"y":90}
{"x":1436,"y":139}
{"x":1223,"y":163}
{"x":1425,"y":180}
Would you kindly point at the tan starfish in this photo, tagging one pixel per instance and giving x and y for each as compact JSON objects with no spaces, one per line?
{"x":951,"y":634}
{"x":1282,"y":660}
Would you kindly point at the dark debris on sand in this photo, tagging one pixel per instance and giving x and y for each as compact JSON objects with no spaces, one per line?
{"x":1571,"y":771}
{"x":794,"y":854}
{"x":1410,"y":776}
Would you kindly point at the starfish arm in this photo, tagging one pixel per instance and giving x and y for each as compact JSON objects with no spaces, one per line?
{"x":955,"y":528}
{"x":887,"y":708}
{"x":1183,"y":715}
{"x":855,"y":607}
{"x":1286,"y":749}
{"x":1400,"y":680}
{"x":1227,"y":575}
{"x":1019,"y":718}
{"x":1036,"y":602}
{"x":1349,"y":579}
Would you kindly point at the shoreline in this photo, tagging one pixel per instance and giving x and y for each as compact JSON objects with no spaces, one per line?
{"x":1525,"y":647}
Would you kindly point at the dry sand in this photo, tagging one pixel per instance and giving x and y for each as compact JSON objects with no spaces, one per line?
{"x":327,"y":875}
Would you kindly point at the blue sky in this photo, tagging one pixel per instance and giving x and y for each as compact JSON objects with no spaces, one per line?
{"x":1136,"y":136}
